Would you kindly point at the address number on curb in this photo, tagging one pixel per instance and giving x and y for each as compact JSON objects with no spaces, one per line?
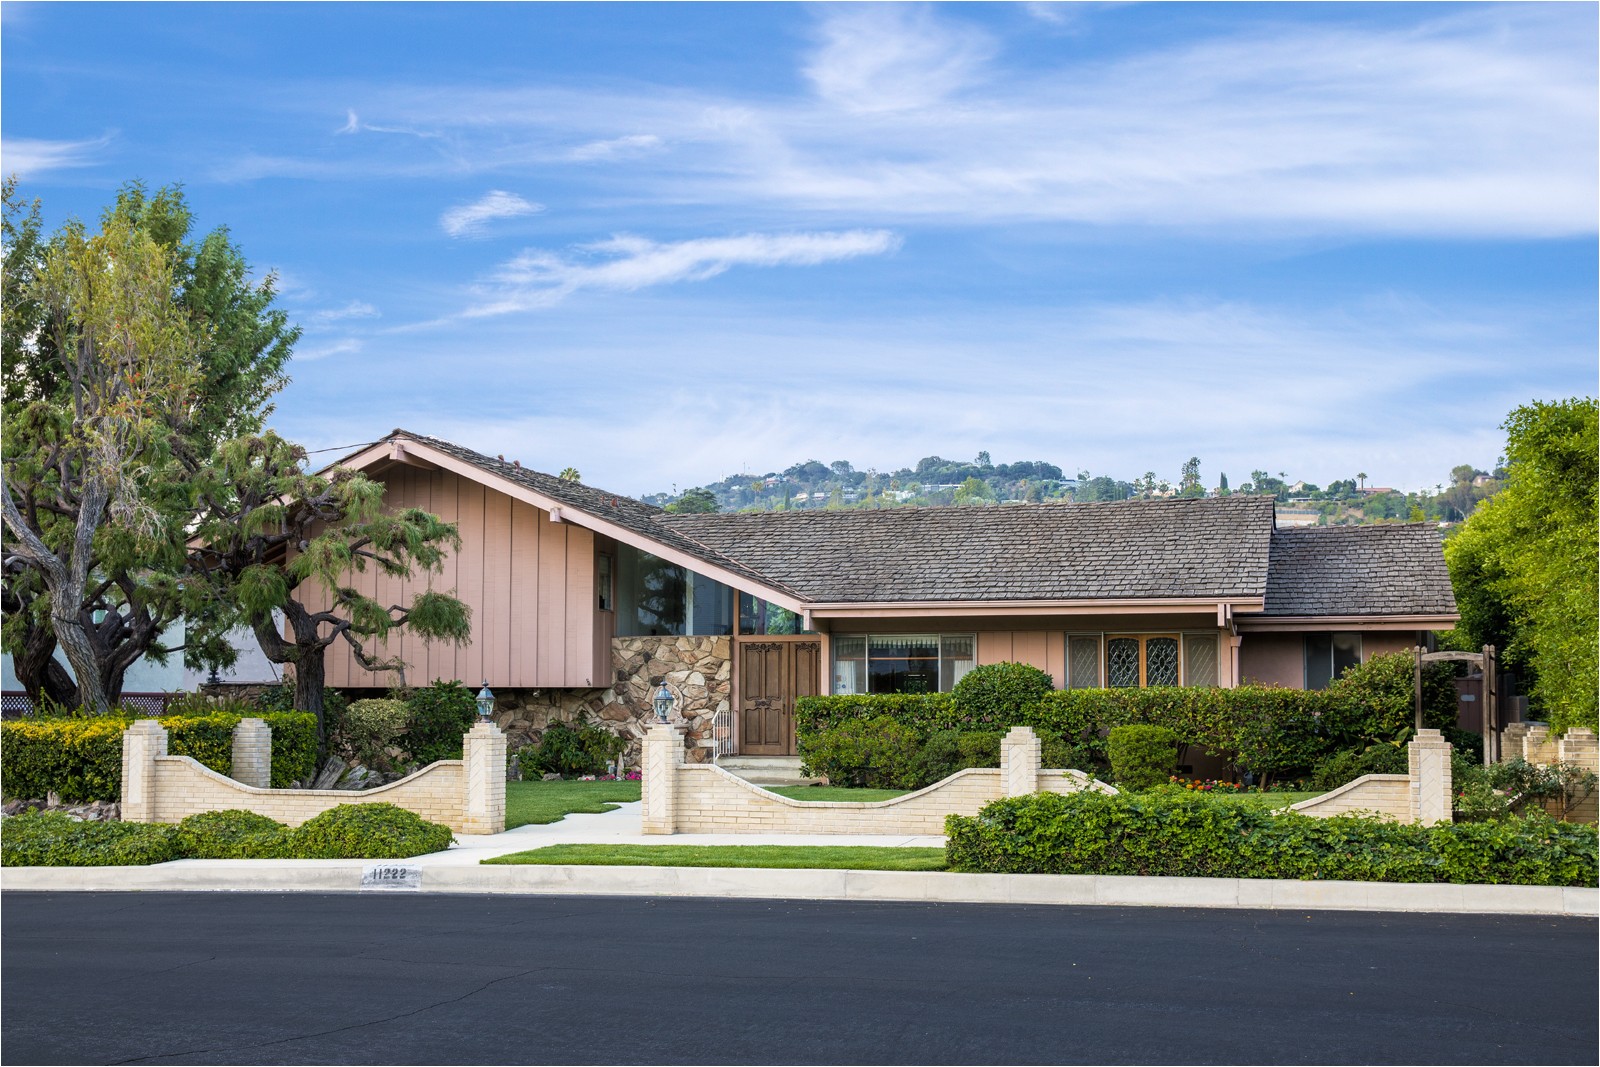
{"x":391,"y":876}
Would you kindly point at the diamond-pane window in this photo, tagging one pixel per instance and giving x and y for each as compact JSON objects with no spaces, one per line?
{"x":1199,"y":659}
{"x":1083,"y":662}
{"x":1122,"y":661}
{"x":1161,"y":661}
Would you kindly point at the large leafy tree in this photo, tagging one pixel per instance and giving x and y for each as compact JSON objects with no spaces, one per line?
{"x":1524,"y":565}
{"x":133,"y":404}
{"x":277,"y":543}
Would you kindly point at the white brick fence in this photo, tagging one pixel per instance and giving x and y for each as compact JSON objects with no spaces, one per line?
{"x":468,"y":795}
{"x":1578,"y":746}
{"x":1421,"y":796}
{"x":690,"y":798}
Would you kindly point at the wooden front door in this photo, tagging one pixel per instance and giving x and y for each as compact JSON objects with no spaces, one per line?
{"x":772,"y":675}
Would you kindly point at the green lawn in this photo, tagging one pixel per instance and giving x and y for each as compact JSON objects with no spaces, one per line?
{"x":836,"y":857}
{"x":544,"y":802}
{"x":835,"y":792}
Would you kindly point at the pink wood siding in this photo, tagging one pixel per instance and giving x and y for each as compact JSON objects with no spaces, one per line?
{"x":530,"y":583}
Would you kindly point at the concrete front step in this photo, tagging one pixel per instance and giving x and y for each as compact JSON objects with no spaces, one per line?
{"x":766,"y":770}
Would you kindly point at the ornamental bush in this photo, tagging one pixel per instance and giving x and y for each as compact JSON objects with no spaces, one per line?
{"x":369,"y":728}
{"x":1347,"y":766}
{"x":79,"y":758}
{"x":234,"y":835}
{"x":440,"y":716}
{"x":879,"y":753}
{"x":996,"y":693}
{"x":369,"y":831}
{"x":1143,"y":757}
{"x":55,"y":839}
{"x":569,"y":750}
{"x":1181,"y":834}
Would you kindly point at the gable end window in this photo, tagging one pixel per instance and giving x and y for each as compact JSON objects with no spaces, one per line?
{"x":1328,"y":656}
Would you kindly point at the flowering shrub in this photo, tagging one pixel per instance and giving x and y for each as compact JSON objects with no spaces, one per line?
{"x":1208,"y":785}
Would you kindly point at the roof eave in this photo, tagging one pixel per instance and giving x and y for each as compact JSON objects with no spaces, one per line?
{"x":970,"y":608}
{"x":1309,"y":623}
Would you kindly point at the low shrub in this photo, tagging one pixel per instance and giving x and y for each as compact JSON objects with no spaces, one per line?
{"x":369,"y":831}
{"x":54,"y":839}
{"x":1142,"y":757}
{"x":924,"y":712}
{"x":879,"y":753}
{"x":369,"y":728}
{"x":1347,"y":766}
{"x":570,"y":750}
{"x":79,"y":758}
{"x":994,"y":694}
{"x":947,"y":752}
{"x":1167,"y":832}
{"x":1494,"y":792}
{"x":440,"y":715}
{"x":234,"y":835}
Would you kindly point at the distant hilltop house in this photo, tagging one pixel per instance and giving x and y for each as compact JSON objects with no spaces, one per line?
{"x":585,"y":602}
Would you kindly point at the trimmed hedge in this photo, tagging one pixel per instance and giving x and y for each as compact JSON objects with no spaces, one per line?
{"x":80,"y":759}
{"x":354,"y":831}
{"x":1177,"y":834}
{"x":440,"y":716}
{"x":1142,"y":757}
{"x":1265,"y":729}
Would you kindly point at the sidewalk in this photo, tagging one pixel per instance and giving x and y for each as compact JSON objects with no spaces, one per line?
{"x":458,"y":870}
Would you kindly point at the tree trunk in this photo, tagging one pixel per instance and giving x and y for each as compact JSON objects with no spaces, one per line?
{"x":41,"y":674}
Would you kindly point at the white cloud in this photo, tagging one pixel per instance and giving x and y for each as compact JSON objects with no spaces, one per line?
{"x":467,"y":220}
{"x":626,"y":263}
{"x":347,"y":346}
{"x":29,"y":157}
{"x":893,"y":57}
{"x":355,"y":309}
{"x":616,"y":147}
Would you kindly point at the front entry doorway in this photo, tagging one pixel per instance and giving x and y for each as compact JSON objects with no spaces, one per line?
{"x":772,"y":676}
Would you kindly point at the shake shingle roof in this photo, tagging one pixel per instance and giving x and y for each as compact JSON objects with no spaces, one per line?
{"x":1134,"y":550}
{"x":1130,"y":550}
{"x":1359,"y":570}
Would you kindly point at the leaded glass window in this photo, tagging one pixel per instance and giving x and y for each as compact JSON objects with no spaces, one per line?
{"x":1083,"y":662}
{"x":1122,"y":662}
{"x":1161,"y":661}
{"x":1199,"y":659}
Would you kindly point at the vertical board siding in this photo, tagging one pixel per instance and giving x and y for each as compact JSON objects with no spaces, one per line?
{"x":994,"y":646}
{"x":1028,"y":646}
{"x":578,"y":656}
{"x":495,"y":635}
{"x":1055,"y":652}
{"x":552,"y":612}
{"x":525,"y":520}
{"x":442,"y":654}
{"x":469,"y":579}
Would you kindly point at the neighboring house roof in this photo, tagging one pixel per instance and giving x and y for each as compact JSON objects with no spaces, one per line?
{"x":1216,"y":548}
{"x":1388,"y":569}
{"x":1150,"y":549}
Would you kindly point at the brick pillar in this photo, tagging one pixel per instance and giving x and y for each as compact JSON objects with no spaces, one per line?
{"x":142,"y":742}
{"x":1511,"y":740}
{"x":1019,"y":762}
{"x":663,"y":755}
{"x":1580,"y":746}
{"x":484,"y":754}
{"x":252,"y":753}
{"x":1538,"y":747}
{"x":1429,"y":758}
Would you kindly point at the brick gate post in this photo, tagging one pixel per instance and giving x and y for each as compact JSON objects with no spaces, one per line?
{"x":1019,"y":762}
{"x":142,"y":742}
{"x":484,"y":753}
{"x":252,"y":753}
{"x":1428,"y":758}
{"x":663,"y":754}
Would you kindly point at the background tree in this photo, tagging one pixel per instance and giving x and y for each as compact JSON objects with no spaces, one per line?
{"x":1524,"y":565}
{"x":1189,"y":479}
{"x":1222,"y":485}
{"x":696,"y":502}
{"x":237,"y":346}
{"x":570,"y":474}
{"x":261,"y":506}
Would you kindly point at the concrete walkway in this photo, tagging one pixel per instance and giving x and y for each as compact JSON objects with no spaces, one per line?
{"x":459,"y":870}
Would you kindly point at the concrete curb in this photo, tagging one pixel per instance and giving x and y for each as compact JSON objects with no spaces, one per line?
{"x":340,"y":876}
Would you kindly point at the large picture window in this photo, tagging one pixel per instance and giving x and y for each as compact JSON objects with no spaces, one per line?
{"x":901,"y":663}
{"x":655,"y":598}
{"x":1135,"y":661}
{"x":1328,"y":656}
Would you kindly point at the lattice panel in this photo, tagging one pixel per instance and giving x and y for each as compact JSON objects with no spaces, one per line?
{"x":1122,"y":662}
{"x":1083,"y":662}
{"x":1161,"y":661}
{"x":1199,"y":660}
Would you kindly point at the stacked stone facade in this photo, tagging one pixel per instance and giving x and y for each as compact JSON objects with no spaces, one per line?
{"x":698,"y":671}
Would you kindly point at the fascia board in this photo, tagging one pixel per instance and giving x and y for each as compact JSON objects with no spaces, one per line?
{"x":1310,"y":623}
{"x":964,"y":609}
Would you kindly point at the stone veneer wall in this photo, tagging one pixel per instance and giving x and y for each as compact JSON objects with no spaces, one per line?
{"x":697,"y":670}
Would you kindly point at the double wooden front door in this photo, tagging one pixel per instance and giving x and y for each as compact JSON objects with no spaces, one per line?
{"x":772,"y":676}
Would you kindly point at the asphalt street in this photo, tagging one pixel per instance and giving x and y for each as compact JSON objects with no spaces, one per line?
{"x":431,"y":979}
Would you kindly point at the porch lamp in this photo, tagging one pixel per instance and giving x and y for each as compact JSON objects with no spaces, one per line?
{"x":485,"y":702}
{"x":663,"y":702}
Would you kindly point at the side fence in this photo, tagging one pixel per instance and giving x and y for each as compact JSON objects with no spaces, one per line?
{"x":1578,"y":746}
{"x":1422,"y":795}
{"x":468,"y":795}
{"x":691,"y":798}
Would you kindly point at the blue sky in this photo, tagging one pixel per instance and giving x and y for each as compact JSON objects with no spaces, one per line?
{"x":666,"y":243}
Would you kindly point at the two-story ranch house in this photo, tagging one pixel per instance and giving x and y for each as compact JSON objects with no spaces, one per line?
{"x":584,"y":600}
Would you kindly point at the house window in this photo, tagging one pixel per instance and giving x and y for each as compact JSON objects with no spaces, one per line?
{"x":602,"y":582}
{"x":1133,"y":661}
{"x":655,"y":597}
{"x":757,"y":616}
{"x":1328,"y":656}
{"x":901,"y":663}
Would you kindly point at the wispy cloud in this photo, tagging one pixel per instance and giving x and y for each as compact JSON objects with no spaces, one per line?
{"x":617,"y":147}
{"x":347,"y":346}
{"x":29,"y":157}
{"x":355,"y":309}
{"x":468,"y":220}
{"x":626,"y":263}
{"x":893,"y":57}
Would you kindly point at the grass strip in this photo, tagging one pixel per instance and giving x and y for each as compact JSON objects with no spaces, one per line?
{"x":829,"y":857}
{"x":537,"y":803}
{"x":834,"y":792}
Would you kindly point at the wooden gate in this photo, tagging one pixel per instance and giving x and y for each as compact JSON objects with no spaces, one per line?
{"x":772,"y":676}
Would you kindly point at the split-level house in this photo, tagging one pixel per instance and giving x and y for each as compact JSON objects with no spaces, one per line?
{"x":585,"y":601}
